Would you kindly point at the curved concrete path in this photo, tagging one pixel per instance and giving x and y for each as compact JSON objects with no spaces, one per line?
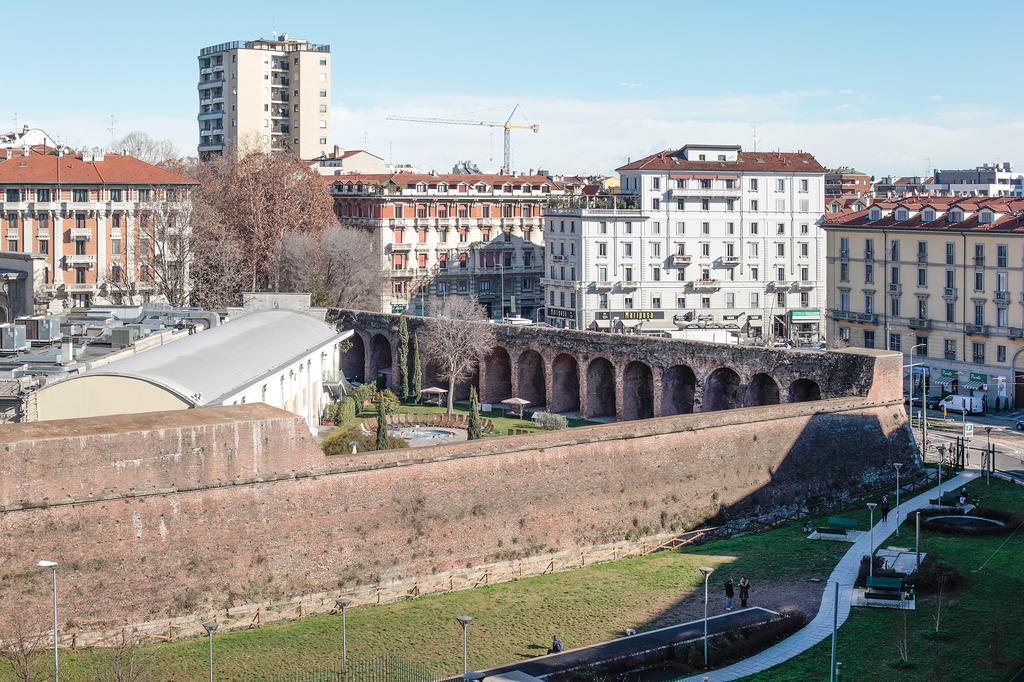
{"x":845,"y":573}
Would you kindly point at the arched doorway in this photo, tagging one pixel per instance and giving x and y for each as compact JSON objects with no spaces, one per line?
{"x":678,"y":385}
{"x":721,"y":391}
{"x":637,"y":391}
{"x":565,"y":384}
{"x":531,"y":379}
{"x":600,"y":388}
{"x":804,"y":390}
{"x":353,"y":362}
{"x":380,"y":359}
{"x":762,"y":390}
{"x":498,"y":374}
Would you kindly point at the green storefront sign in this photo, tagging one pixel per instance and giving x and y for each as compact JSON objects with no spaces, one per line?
{"x":397,"y":308}
{"x":949,"y":374}
{"x":979,"y":377}
{"x":809,"y":315}
{"x":973,"y":377}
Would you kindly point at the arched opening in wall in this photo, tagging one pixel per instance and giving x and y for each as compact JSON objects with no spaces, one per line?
{"x":432,"y":375}
{"x":600,"y":388}
{"x":353,"y":362}
{"x":803,"y":390}
{"x":762,"y":390}
{"x":531,"y":378}
{"x":462,"y":387}
{"x":565,"y":384}
{"x":678,"y":385}
{"x":498,"y":372}
{"x":721,"y":391}
{"x":380,"y":358}
{"x":637,"y":391}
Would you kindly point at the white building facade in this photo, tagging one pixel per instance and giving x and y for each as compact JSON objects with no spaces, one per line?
{"x":705,"y":238}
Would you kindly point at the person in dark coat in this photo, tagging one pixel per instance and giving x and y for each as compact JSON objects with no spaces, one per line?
{"x":729,"y":594}
{"x":556,"y":645}
{"x":744,"y":592}
{"x":884,"y":506}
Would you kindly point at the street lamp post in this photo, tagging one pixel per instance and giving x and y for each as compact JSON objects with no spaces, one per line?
{"x":465,"y":621}
{"x":871,"y":539}
{"x":988,"y":455}
{"x":707,"y":571}
{"x":210,"y":628}
{"x":898,"y":465}
{"x":835,"y":629}
{"x":942,"y":456}
{"x":924,"y":399}
{"x":343,"y":605}
{"x":52,"y":565}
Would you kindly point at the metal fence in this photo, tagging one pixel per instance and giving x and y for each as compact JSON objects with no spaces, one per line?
{"x":384,"y":668}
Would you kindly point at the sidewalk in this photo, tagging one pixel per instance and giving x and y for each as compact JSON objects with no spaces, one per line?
{"x":845,"y":573}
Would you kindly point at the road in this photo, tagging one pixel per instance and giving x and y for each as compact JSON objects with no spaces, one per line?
{"x":1008,"y":442}
{"x":635,"y":644}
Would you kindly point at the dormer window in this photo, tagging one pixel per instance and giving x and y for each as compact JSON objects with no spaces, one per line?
{"x":527,"y":189}
{"x":421,"y":187}
{"x":544,"y":189}
{"x":956,"y":216}
{"x":348,"y":187}
{"x":902,"y":215}
{"x":359,"y":188}
{"x":986,"y":217}
{"x":928,"y":215}
{"x":481,"y":188}
{"x":876,"y":213}
{"x":442,"y":187}
{"x":507,"y":188}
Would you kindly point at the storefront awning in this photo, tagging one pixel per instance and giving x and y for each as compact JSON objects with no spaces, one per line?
{"x":599,"y":324}
{"x":967,"y":386}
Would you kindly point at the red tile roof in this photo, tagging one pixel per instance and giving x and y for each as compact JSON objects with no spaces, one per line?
{"x":43,"y":166}
{"x":410,"y":179}
{"x":1009,"y":215}
{"x":769,"y":162}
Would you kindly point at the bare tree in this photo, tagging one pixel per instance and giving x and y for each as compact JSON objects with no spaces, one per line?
{"x":127,"y":660}
{"x":454,"y":336}
{"x":340,"y":266}
{"x":146,"y":148}
{"x":258,"y":197}
{"x":24,"y":635}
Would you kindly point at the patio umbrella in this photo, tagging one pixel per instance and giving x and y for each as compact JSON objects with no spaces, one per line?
{"x":435,"y":391}
{"x":518,"y":403}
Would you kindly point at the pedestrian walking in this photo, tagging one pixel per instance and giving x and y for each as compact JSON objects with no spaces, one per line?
{"x":884,"y":506}
{"x":744,"y":592}
{"x":730,"y":592}
{"x":963,"y":499}
{"x":556,"y":645}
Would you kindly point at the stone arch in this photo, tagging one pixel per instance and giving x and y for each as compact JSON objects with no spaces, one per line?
{"x":600,"y":388}
{"x":380,"y":358}
{"x":497,"y":375}
{"x":637,"y":391}
{"x":803,"y":390}
{"x":462,"y":387}
{"x":353,"y":362}
{"x":531,"y":378}
{"x":761,"y":390}
{"x":565,"y":384}
{"x":678,"y":386}
{"x":432,"y":375}
{"x":721,"y":390}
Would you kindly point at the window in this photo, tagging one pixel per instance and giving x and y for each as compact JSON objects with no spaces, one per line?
{"x":603,"y":301}
{"x":922,"y":277}
{"x":805,"y":299}
{"x":978,"y":353}
{"x":979,"y":254}
{"x":869,"y":273}
{"x":730,"y":300}
{"x":979,"y":281}
{"x":44,"y":245}
{"x":894,"y":251}
{"x":705,"y":249}
{"x":705,"y":228}
{"x":627,"y":303}
{"x":1000,"y":353}
{"x":14,"y":195}
{"x":780,"y":274}
{"x":115,"y":247}
{"x":753,"y":247}
{"x":780,"y":205}
{"x":655,"y":227}
{"x":922,"y":309}
{"x":755,"y":299}
{"x":42,"y":195}
{"x":1002,"y":257}
{"x":780,"y":229}
{"x":680,"y":228}
{"x":655,"y":249}
{"x":323,"y":93}
{"x":804,"y":229}
{"x":628,"y":228}
{"x":1002,"y":282}
{"x":894,"y":274}
{"x":869,"y":302}
{"x":805,"y":273}
{"x":1002,"y":317}
{"x":894,"y":306}
{"x":753,"y":228}
{"x":705,"y":301}
{"x":656,"y":301}
{"x":656,"y":204}
{"x":602,"y":273}
{"x":844,"y":334}
{"x":950,"y":311}
{"x":627,"y":249}
{"x":730,"y":204}
{"x":780,"y":299}
{"x":755,"y":274}
{"x":753,"y":184}
{"x":804,"y":185}
{"x":869,"y":339}
{"x":79,"y":275}
{"x":950,"y":279}
{"x":895,"y":342}
{"x":844,"y":272}
{"x":753,"y":204}
{"x":921,"y":343}
{"x":602,"y":229}
{"x":979,"y":314}
{"x":656,"y":274}
{"x":949,"y":349}
{"x":705,"y":204}
{"x":627,"y":274}
{"x":950,"y":253}
{"x":780,"y":185}
{"x":805,"y":249}
{"x":780,"y":249}
{"x":76,"y":195}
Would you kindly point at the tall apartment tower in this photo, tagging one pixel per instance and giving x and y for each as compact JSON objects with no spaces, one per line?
{"x":272,"y":95}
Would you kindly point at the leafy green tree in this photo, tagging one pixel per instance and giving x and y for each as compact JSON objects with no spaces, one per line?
{"x":474,"y":415}
{"x":403,"y":356}
{"x":382,"y":425}
{"x":417,"y":370}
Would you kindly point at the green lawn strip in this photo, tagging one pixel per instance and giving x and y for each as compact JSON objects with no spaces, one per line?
{"x":983,"y":620}
{"x":583,"y":606}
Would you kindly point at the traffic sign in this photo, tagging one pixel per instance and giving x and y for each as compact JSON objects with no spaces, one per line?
{"x":968,"y":431}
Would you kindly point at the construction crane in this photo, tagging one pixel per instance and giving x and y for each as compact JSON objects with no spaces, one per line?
{"x":508,"y":127}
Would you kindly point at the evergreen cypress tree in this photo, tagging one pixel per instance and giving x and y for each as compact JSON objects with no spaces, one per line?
{"x":403,"y":356}
{"x":474,"y":415}
{"x":382,"y":425}
{"x":417,"y":373}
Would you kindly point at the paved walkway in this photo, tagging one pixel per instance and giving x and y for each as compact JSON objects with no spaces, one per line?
{"x":845,"y":573}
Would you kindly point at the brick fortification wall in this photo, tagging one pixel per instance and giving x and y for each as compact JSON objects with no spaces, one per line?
{"x":170,"y":514}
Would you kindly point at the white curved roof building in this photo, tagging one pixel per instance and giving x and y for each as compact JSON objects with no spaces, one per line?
{"x":277,"y":357}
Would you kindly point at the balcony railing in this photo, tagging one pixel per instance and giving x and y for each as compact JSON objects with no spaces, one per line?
{"x":949,"y":293}
{"x":919,"y":323}
{"x":681,"y":259}
{"x":977,"y":329}
{"x":81,"y":259}
{"x":1002,"y":297}
{"x":895,"y":288}
{"x":81,"y":233}
{"x":730,"y":260}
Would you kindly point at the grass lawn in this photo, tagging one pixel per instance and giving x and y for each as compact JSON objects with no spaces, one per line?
{"x":501,"y":424}
{"x":513,"y":620}
{"x":984,"y":621}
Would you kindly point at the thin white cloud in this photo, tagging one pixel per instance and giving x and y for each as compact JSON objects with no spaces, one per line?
{"x":936,"y":98}
{"x":627,"y":84}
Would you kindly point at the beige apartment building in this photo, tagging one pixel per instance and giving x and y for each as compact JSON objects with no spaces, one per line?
{"x":940,"y":279}
{"x":272,"y":95}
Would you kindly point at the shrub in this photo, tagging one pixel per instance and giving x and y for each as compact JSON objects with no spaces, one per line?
{"x":880,"y":571}
{"x":389,"y":399}
{"x":339,"y":442}
{"x":1010,"y":522}
{"x":346,"y":409}
{"x":934,"y":573}
{"x":551,"y":421}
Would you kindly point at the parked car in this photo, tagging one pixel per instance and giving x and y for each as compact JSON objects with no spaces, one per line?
{"x":1019,"y":425}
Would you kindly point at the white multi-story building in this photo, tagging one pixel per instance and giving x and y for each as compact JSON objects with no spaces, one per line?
{"x":271,"y":95}
{"x":707,"y":237}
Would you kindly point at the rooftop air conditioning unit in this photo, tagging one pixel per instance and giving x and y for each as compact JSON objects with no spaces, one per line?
{"x":13,"y":338}
{"x":40,"y":328}
{"x":123,"y":337}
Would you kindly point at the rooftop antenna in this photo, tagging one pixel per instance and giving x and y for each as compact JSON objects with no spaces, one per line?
{"x":755,"y":137}
{"x":111,"y":129}
{"x":15,"y":121}
{"x":364,"y":139}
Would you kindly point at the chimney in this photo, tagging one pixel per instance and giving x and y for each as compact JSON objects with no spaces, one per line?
{"x":338,"y":151}
{"x":9,"y":153}
{"x":67,"y":352}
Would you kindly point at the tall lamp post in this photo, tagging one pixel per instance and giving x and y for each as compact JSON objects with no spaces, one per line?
{"x":871,"y":539}
{"x":52,"y":565}
{"x":924,"y":399}
{"x":942,"y":457}
{"x":898,"y":465}
{"x":707,"y":571}
{"x":343,"y":605}
{"x":988,"y":455}
{"x":210,"y":628}
{"x":465,"y":621}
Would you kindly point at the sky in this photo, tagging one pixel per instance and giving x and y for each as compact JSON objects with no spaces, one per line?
{"x":890,"y":88}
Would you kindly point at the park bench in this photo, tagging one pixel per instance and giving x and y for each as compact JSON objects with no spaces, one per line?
{"x":884,"y":588}
{"x":838,"y":525}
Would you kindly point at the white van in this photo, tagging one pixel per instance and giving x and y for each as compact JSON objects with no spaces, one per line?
{"x":961,"y":403}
